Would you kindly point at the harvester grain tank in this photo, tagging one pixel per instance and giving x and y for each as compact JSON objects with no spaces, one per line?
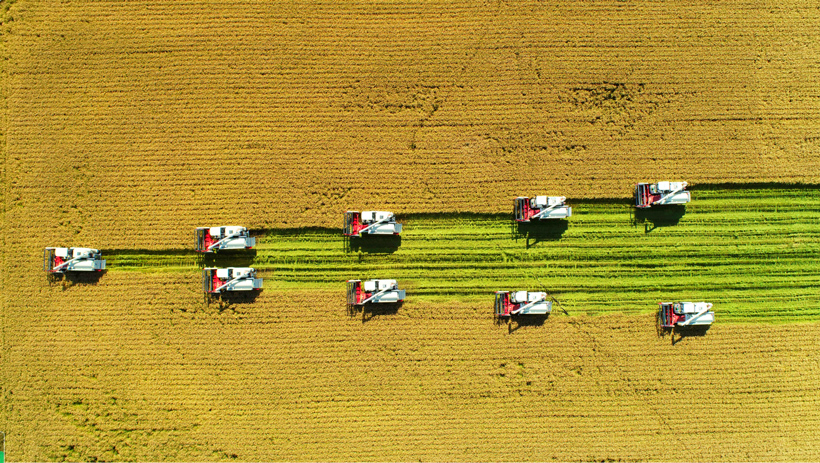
{"x":220,"y":280}
{"x":370,"y":223}
{"x":61,"y":260}
{"x":661,"y":194}
{"x":212,"y":239}
{"x":541,"y":208}
{"x":373,"y":291}
{"x":681,"y":314}
{"x":508,"y":303}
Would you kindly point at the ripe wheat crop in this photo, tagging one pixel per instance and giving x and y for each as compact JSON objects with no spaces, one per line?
{"x":131,"y":123}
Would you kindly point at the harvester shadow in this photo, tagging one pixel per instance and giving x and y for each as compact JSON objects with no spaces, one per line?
{"x":681,"y":332}
{"x":547,"y":230}
{"x":452,"y":216}
{"x":653,"y":218}
{"x":376,"y":244}
{"x":238,"y":258}
{"x":69,"y":279}
{"x":755,"y":186}
{"x":525,"y":320}
{"x":692,"y":331}
{"x":370,"y":311}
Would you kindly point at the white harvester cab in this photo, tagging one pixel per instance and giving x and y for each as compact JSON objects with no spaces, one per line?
{"x":370,"y":223}
{"x":373,"y":291}
{"x":540,"y":202}
{"x":541,"y":208}
{"x":673,"y":193}
{"x":61,"y":260}
{"x":509,"y":303}
{"x":680,"y":314}
{"x":219,"y":280}
{"x":212,"y":239}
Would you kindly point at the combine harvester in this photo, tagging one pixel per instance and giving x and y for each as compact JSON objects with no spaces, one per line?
{"x":682,"y":314}
{"x":661,"y":194}
{"x":212,"y":239}
{"x":509,"y":303}
{"x":221,"y":280}
{"x":541,"y":208}
{"x":358,"y":224}
{"x":61,"y":260}
{"x":373,"y":291}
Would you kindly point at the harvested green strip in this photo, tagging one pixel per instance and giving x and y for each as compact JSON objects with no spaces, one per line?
{"x":751,"y":252}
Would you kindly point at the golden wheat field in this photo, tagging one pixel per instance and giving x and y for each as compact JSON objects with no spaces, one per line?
{"x":137,"y":121}
{"x":286,"y":378}
{"x":128,"y":124}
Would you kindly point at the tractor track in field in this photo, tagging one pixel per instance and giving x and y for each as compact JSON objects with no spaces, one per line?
{"x":750,"y":251}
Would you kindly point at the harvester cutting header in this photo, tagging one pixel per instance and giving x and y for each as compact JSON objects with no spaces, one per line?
{"x":661,"y":193}
{"x":212,"y":239}
{"x":61,"y":260}
{"x":370,"y":223}
{"x":541,"y":208}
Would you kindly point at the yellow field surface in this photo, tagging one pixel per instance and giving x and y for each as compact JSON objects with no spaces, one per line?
{"x":127,"y":124}
{"x":293,"y":377}
{"x":133,"y":122}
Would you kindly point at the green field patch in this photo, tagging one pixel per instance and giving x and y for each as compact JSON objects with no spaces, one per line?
{"x":753,"y":253}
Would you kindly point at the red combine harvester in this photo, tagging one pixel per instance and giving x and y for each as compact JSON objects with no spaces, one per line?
{"x":661,"y":194}
{"x":508,"y":303}
{"x":220,"y":280}
{"x":541,"y":208}
{"x":370,"y":223}
{"x":212,"y":239}
{"x":61,"y":260}
{"x":376,"y":291}
{"x":680,"y":314}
